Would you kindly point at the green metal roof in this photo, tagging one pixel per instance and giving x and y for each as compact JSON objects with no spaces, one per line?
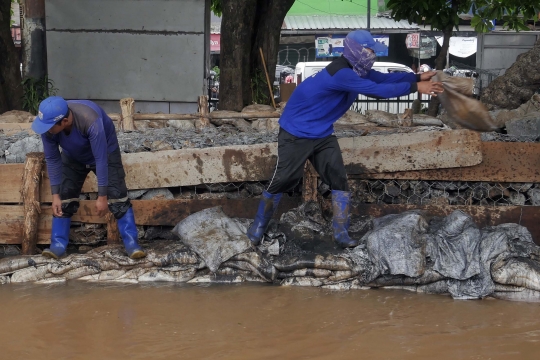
{"x":334,"y":7}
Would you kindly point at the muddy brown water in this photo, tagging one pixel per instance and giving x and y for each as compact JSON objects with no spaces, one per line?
{"x":95,"y":321}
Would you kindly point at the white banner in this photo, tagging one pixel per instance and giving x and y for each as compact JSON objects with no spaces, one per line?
{"x":460,"y":46}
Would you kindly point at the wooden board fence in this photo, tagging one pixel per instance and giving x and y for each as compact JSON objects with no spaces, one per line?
{"x":460,"y":153}
{"x":188,"y":167}
{"x":147,"y":212}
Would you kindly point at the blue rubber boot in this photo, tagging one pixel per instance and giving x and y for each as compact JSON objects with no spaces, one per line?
{"x":128,"y":232}
{"x":340,"y":221}
{"x":267,"y":207}
{"x":59,"y":238}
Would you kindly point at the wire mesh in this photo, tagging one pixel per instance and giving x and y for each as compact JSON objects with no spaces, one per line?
{"x":231,"y":190}
{"x":493,"y":136}
{"x":413,"y":192}
{"x":482,"y":77}
{"x":422,"y":192}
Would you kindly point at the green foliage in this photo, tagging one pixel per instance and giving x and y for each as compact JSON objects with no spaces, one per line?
{"x":36,"y":90}
{"x":217,"y":71}
{"x":443,"y":14}
{"x":216,"y":7}
{"x":11,"y":12}
{"x":259,"y":87}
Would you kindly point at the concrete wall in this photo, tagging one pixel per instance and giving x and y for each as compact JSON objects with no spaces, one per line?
{"x":497,"y":51}
{"x":152,"y":50}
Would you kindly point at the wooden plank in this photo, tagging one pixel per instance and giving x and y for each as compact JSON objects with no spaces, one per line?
{"x":31,"y":205}
{"x":199,"y":166}
{"x":169,"y":212}
{"x":286,"y":91}
{"x":412,"y":151}
{"x":113,"y":234}
{"x":528,"y":216}
{"x":188,"y":167}
{"x":204,"y":110}
{"x":147,"y":212}
{"x":127,"y":106}
{"x":172,"y":168}
{"x":11,"y":180}
{"x":12,"y":224}
{"x":309,"y":186}
{"x":502,"y":162}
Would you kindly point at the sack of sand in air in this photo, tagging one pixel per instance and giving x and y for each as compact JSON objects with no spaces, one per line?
{"x":461,"y":108}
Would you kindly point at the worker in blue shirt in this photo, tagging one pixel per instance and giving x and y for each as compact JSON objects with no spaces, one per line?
{"x":307,"y":124}
{"x":88,"y":140}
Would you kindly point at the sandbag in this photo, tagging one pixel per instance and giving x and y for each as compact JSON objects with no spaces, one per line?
{"x":461,"y":85}
{"x":455,"y":247}
{"x":396,"y":244}
{"x":464,"y":111}
{"x":213,"y":236}
{"x":520,"y":272}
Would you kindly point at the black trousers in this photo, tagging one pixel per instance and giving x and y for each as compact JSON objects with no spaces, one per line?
{"x":324,"y":154}
{"x":73,"y":175}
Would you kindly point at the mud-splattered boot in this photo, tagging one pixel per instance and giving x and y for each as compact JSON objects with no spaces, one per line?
{"x":128,"y":232}
{"x":340,"y":221}
{"x":59,"y":238}
{"x":266,"y":209}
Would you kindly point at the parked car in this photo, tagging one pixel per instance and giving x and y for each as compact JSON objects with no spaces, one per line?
{"x":304,"y":70}
{"x":396,"y":105}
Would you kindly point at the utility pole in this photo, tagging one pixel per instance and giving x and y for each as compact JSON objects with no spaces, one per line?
{"x":368,"y":14}
{"x":33,"y":39}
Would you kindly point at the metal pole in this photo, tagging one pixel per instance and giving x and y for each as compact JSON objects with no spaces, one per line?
{"x":368,"y":14}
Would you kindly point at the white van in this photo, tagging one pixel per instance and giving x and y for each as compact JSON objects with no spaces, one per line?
{"x":304,"y":70}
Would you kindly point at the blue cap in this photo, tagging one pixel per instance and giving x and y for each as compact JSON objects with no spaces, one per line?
{"x":51,"y":110}
{"x":364,"y":38}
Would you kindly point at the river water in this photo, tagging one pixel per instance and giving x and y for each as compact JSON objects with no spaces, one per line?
{"x":94,"y":321}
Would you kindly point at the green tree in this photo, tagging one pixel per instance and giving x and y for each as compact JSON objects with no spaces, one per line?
{"x":443,"y":15}
{"x":247,"y":26}
{"x":10,"y":73}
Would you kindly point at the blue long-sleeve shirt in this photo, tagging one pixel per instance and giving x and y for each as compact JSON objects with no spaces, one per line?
{"x":91,"y":139}
{"x":319,"y":101}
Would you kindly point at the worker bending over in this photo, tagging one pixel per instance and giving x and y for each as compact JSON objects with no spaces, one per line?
{"x":88,"y":141}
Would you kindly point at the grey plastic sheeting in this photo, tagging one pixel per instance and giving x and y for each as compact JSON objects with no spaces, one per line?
{"x":411,"y":250}
{"x":213,"y":236}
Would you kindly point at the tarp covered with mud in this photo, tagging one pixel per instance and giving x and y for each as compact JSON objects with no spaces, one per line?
{"x":411,"y":250}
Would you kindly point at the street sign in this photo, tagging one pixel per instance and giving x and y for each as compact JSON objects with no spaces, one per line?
{"x":413,"y":41}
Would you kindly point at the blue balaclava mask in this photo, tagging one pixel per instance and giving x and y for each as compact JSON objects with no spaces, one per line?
{"x":357,"y":53}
